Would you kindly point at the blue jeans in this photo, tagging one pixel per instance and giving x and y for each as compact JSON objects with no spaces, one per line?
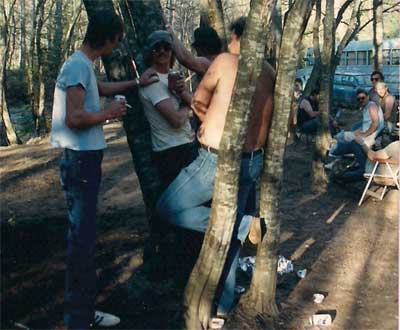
{"x":182,"y":204}
{"x":355,"y":148}
{"x":80,"y":173}
{"x":310,"y":126}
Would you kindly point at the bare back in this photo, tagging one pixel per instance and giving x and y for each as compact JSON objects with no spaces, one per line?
{"x":212,"y":98}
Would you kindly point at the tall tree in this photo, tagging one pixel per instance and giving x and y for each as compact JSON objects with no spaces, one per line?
{"x":378,"y":33}
{"x":260,"y":298}
{"x":205,"y":276}
{"x":22,"y":63}
{"x":6,"y":123}
{"x":212,"y":14}
{"x":323,"y":138}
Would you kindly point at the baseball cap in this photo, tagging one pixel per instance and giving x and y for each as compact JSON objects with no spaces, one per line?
{"x":158,"y":36}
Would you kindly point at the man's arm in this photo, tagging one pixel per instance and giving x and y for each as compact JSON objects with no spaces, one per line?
{"x":176,"y":118}
{"x":373,"y":112}
{"x":77,"y":117}
{"x":110,"y":88}
{"x":306,"y":106}
{"x":389,"y":106}
{"x":185,"y":57}
{"x":202,"y":97}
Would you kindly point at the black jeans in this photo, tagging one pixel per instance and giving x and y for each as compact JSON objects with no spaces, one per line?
{"x":80,"y":173}
{"x":171,"y":161}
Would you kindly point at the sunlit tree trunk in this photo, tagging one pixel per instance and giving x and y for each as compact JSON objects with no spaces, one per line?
{"x":274,"y":36}
{"x":260,"y":298}
{"x":7,"y":126}
{"x":323,"y":138}
{"x":378,"y":33}
{"x":200,"y":290}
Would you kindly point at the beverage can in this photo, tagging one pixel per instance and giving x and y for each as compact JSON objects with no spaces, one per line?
{"x":173,"y":77}
{"x":120,"y":98}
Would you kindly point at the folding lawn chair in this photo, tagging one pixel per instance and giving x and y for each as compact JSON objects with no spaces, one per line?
{"x":388,"y":178}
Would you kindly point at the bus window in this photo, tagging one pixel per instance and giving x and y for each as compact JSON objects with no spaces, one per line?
{"x":370,"y":59}
{"x":386,"y":56}
{"x":351,"y":58}
{"x":395,"y":56}
{"x":343,"y":58}
{"x":362,"y":58}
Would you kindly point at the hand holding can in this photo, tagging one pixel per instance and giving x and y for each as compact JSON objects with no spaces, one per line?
{"x":173,"y":77}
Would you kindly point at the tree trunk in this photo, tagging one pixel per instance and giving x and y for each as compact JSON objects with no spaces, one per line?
{"x":22,"y":63}
{"x":212,"y":14}
{"x":7,"y":126}
{"x":323,"y":137}
{"x":39,"y":86}
{"x":200,"y":290}
{"x":378,"y":33}
{"x":313,"y":81}
{"x":274,"y":36}
{"x":260,"y":298}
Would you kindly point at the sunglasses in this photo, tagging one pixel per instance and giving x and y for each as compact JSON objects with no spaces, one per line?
{"x":362,"y":98}
{"x":158,"y":47}
{"x":375,"y":79}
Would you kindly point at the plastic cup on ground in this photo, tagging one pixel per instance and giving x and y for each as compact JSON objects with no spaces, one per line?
{"x":217,"y":323}
{"x":318,"y":298}
{"x":321,"y":319}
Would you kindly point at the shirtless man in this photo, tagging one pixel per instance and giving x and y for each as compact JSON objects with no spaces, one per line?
{"x":182,"y":204}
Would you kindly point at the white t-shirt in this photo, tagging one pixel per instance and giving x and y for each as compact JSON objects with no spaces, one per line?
{"x":77,"y":70}
{"x":163,"y":135}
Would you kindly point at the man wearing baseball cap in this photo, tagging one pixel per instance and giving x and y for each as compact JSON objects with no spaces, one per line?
{"x":167,"y":110}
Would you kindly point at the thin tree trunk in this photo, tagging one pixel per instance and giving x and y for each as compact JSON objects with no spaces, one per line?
{"x":260,"y":298}
{"x":313,"y":81}
{"x":22,"y":63}
{"x":378,"y":33}
{"x":274,"y":36}
{"x":39,"y":88}
{"x":205,"y":276}
{"x":323,"y":138}
{"x":10,"y":134}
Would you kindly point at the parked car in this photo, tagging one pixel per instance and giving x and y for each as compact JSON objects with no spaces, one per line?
{"x":345,"y":85}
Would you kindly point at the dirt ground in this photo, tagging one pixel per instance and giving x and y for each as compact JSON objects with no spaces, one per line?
{"x":350,"y":252}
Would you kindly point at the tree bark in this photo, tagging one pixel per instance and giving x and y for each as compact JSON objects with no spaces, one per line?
{"x":274,"y":36}
{"x":22,"y":63}
{"x":260,"y":298}
{"x":378,"y":33}
{"x":7,"y":126}
{"x":323,"y":137}
{"x":313,"y":81}
{"x":205,"y":276}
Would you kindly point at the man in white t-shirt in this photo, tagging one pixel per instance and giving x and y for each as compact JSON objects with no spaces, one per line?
{"x":77,"y":127}
{"x":167,"y":110}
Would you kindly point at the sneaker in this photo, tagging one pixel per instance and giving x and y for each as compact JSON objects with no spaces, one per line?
{"x":102,"y":319}
{"x":330,"y":165}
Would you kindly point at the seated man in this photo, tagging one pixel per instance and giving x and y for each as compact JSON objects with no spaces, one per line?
{"x":351,"y":142}
{"x":388,"y":104}
{"x":376,"y":76}
{"x":308,"y":114}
